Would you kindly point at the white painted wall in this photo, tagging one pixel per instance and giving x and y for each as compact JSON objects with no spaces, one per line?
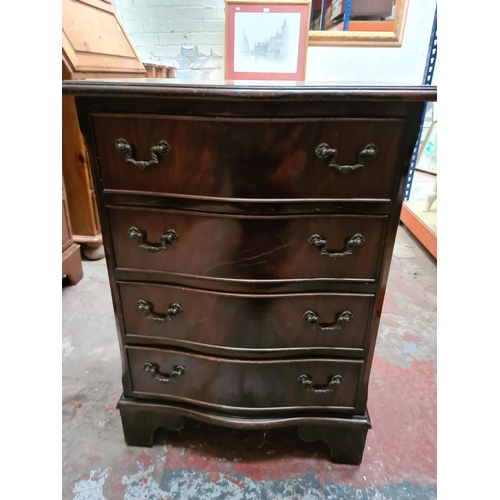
{"x":189,"y":34}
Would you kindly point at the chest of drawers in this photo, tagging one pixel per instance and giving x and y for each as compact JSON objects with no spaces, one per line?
{"x":248,"y":232}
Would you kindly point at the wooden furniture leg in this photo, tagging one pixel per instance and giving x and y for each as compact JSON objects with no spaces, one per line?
{"x":71,"y":257}
{"x":140,"y":423}
{"x":346,"y":443}
{"x":72,"y":264}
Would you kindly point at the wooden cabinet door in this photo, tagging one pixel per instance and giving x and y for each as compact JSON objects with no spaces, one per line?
{"x":93,"y":39}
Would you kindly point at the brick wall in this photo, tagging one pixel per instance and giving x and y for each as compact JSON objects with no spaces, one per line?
{"x":187,"y":34}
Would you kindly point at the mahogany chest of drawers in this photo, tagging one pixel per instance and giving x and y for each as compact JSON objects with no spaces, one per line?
{"x":248,"y":231}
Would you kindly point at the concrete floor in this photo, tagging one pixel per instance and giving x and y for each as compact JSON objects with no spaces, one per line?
{"x":206,"y":462}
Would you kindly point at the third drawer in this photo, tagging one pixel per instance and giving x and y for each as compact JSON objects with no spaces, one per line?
{"x":224,"y":323}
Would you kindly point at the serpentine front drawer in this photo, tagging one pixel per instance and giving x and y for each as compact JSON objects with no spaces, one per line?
{"x":251,"y":159}
{"x":243,"y":324}
{"x":342,"y":247}
{"x":244,"y":385}
{"x":248,"y":229}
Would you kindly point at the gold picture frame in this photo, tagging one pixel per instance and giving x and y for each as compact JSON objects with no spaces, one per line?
{"x":392,"y":38}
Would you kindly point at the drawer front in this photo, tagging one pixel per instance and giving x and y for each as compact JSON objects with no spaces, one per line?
{"x":248,"y":248}
{"x":230,"y":384}
{"x":252,"y":159}
{"x":199,"y":318}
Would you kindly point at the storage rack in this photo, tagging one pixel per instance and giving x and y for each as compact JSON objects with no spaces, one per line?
{"x":347,"y":15}
{"x":423,"y":226}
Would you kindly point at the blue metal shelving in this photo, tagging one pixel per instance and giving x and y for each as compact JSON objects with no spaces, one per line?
{"x":322,"y":16}
{"x":347,"y":15}
{"x":427,"y":80}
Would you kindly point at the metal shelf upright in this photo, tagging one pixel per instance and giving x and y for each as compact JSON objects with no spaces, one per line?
{"x":427,"y":80}
{"x":347,"y":15}
{"x":415,"y":215}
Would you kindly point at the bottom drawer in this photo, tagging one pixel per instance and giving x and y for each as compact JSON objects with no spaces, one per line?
{"x":232,"y":384}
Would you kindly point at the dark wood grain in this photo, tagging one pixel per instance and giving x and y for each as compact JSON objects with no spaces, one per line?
{"x":247,"y":206}
{"x":220,"y":219}
{"x":249,"y":286}
{"x":344,"y":435}
{"x":253,"y":159}
{"x":248,"y":248}
{"x":244,"y":385}
{"x":238,"y":324}
{"x":346,"y":445}
{"x":139,"y":423}
{"x":237,"y":421}
{"x":406,"y":149}
{"x":213,"y":90}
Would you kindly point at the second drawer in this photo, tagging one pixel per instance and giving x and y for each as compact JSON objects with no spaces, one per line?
{"x":257,"y":248}
{"x":212,"y":321}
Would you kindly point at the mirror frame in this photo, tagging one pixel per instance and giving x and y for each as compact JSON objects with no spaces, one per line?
{"x":365,"y":38}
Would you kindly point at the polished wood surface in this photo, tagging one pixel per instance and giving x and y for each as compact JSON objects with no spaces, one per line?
{"x":240,"y":206}
{"x":239,"y":324}
{"x":344,"y":434}
{"x":242,"y":268}
{"x":346,"y":444}
{"x":297,"y":92}
{"x":268,"y":159}
{"x":250,"y":248}
{"x":245,"y":386}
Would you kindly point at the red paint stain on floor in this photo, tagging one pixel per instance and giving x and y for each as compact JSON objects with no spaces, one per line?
{"x":144,"y":459}
{"x":213,"y":477}
{"x":111,"y":406}
{"x":398,"y":284}
{"x":117,"y":483}
{"x":390,"y":306}
{"x":404,"y":414}
{"x":240,"y":484}
{"x":411,"y":338}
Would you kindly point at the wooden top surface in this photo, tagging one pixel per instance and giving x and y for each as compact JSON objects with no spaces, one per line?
{"x":164,"y":87}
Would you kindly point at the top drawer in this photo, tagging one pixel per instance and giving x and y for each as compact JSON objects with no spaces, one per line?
{"x":250,"y":158}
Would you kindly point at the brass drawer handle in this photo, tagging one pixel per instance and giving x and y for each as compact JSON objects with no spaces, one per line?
{"x":306,"y":381}
{"x":167,"y":238}
{"x":369,"y":152}
{"x":161,"y":149}
{"x":172,"y":311}
{"x":343,"y":317}
{"x":355,"y":241}
{"x":164,"y":378}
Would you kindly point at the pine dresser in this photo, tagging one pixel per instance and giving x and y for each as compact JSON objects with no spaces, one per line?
{"x":248,"y":230}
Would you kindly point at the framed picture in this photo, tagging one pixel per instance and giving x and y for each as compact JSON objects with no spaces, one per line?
{"x":266,"y":40}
